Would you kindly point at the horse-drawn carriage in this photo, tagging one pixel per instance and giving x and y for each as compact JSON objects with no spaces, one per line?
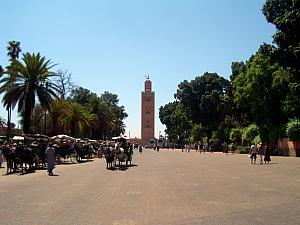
{"x":120,"y":152}
{"x":64,"y":146}
{"x":25,"y":153}
{"x":76,"y":150}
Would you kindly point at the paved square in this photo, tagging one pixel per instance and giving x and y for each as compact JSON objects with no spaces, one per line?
{"x":166,"y":187}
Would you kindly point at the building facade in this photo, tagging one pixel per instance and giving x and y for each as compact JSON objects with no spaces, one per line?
{"x":147,"y":117}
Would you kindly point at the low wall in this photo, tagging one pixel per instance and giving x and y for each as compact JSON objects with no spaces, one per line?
{"x":288,"y":148}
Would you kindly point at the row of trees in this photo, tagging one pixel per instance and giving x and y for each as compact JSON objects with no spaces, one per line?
{"x":260,"y":102}
{"x":49,"y":103}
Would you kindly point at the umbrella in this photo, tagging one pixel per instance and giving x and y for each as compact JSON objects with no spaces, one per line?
{"x":63,"y":136}
{"x":18,"y":138}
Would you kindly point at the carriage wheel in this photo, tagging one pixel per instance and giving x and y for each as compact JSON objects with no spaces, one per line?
{"x":73,"y":158}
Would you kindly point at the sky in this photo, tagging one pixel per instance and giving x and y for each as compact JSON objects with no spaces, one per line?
{"x":111,"y":45}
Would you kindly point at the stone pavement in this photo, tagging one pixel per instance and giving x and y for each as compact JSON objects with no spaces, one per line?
{"x":161,"y":188}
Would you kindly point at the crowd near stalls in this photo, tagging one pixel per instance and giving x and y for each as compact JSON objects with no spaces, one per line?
{"x":27,"y":152}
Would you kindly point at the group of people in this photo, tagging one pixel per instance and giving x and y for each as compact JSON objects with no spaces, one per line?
{"x":264,"y":152}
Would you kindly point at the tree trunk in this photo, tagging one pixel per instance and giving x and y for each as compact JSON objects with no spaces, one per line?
{"x":8,"y":123}
{"x":29,"y":105}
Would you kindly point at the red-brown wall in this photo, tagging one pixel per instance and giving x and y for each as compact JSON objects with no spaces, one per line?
{"x":288,"y":148}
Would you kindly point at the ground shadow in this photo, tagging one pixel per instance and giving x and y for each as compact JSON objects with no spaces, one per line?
{"x":121,"y":167}
{"x":132,"y":165}
{"x":85,"y":161}
{"x":66,"y":163}
{"x":54,"y":175}
{"x":26,"y":172}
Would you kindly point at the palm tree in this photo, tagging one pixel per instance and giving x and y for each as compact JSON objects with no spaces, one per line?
{"x":77,"y":119}
{"x":59,"y":111}
{"x":13,"y":51}
{"x":28,"y":83}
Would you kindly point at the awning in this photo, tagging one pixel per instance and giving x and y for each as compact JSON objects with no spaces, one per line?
{"x":63,"y":137}
{"x":18,"y":138}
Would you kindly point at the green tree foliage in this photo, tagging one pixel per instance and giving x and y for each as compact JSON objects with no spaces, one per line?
{"x":27,"y":83}
{"x":165,"y":116}
{"x":237,"y":68}
{"x":104,"y":117}
{"x":236,"y":136}
{"x":108,"y":116}
{"x":293,"y":129}
{"x":118,"y":126}
{"x":285,"y":15}
{"x":13,"y":50}
{"x":77,"y":119}
{"x":58,"y":113}
{"x":81,"y":95}
{"x":203,"y":99}
{"x":249,"y":134}
{"x":198,"y":133}
{"x":255,"y":94}
{"x":178,"y":124}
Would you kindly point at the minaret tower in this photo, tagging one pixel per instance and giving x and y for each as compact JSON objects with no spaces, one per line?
{"x":148,"y":103}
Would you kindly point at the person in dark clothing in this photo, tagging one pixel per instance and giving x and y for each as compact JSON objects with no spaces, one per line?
{"x":267,"y":154}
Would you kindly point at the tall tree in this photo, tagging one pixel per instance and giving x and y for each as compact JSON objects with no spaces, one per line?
{"x":118,"y":111}
{"x":284,"y":14}
{"x":81,"y":95}
{"x":13,"y":51}
{"x":203,"y":99}
{"x":177,"y":121}
{"x":59,"y":111}
{"x":28,"y":83}
{"x":257,"y":97}
{"x":77,"y":119}
{"x":64,"y":83}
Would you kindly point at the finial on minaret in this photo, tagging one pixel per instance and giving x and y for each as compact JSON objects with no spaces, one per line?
{"x":147,"y":77}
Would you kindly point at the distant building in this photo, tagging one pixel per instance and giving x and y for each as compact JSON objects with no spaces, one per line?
{"x":147,"y":117}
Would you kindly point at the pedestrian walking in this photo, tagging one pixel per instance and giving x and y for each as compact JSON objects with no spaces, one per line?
{"x":261,"y":151}
{"x":1,"y":158}
{"x":101,"y":151}
{"x":253,"y":153}
{"x":50,"y":158}
{"x":267,"y":154}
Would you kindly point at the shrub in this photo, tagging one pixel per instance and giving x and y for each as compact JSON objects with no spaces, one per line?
{"x":243,"y":149}
{"x":293,"y":129}
{"x":236,"y":136}
{"x":257,"y":140}
{"x":249,"y":134}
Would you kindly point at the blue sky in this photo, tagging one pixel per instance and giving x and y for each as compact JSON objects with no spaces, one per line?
{"x":111,"y":45}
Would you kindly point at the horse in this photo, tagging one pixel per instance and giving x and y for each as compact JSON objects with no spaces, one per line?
{"x":26,"y":157}
{"x":10,"y":157}
{"x":109,"y":157}
{"x":121,"y":156}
